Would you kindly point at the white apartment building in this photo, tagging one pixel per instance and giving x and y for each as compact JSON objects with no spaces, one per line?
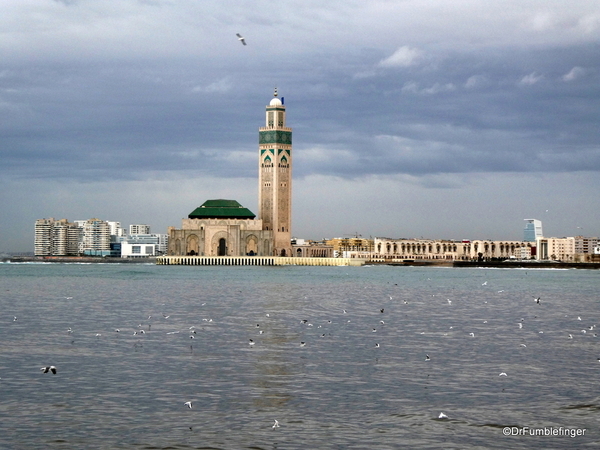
{"x":95,"y":239}
{"x":56,"y":237}
{"x":115,"y":229}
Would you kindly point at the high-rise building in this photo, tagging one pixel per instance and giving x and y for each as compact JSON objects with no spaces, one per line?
{"x":56,"y":237}
{"x":533,"y":230}
{"x":43,"y":237}
{"x":275,"y":177}
{"x":96,"y":238}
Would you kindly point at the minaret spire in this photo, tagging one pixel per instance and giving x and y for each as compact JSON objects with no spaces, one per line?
{"x":275,"y":176}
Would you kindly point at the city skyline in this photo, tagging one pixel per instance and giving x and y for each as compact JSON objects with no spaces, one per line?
{"x":444,"y":119}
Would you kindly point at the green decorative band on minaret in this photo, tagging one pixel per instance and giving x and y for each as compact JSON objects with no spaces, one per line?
{"x":275,"y":137}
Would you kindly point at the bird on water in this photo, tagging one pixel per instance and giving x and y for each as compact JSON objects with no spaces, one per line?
{"x":49,"y":369}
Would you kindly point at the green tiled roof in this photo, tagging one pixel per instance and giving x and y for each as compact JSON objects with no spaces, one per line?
{"x":221,"y":209}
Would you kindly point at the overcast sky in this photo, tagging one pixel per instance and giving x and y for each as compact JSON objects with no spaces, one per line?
{"x":443,"y":119}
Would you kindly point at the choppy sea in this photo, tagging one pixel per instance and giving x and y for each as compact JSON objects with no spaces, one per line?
{"x":342,"y":357}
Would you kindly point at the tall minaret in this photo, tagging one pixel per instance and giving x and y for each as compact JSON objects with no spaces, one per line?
{"x":275,"y":177}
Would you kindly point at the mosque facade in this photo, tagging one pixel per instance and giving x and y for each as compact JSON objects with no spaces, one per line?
{"x":223,"y":227}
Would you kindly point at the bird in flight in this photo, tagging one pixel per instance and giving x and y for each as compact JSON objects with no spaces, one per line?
{"x":49,"y":369}
{"x":241,"y":38}
{"x":188,"y":404}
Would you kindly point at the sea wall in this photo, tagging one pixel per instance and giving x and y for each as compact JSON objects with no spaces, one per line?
{"x":254,"y":261}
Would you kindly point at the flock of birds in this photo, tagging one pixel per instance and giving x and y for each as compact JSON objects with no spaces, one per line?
{"x":307,"y":323}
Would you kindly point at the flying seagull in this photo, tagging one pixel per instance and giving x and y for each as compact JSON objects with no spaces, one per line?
{"x":188,"y":404}
{"x":241,"y":38}
{"x":49,"y":369}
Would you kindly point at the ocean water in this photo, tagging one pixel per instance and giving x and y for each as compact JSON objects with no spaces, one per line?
{"x":360,"y":380}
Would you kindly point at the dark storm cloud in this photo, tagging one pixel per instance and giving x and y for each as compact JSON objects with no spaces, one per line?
{"x":416,"y":109}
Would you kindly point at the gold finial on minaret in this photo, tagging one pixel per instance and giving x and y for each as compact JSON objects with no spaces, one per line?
{"x":275,"y":93}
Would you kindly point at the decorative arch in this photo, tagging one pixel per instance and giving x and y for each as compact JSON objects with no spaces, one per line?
{"x":192,"y":245}
{"x":251,"y":245}
{"x":220,"y":242}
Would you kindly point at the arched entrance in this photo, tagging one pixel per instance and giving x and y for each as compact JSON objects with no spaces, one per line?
{"x":251,"y":245}
{"x":222,"y":248}
{"x":192,"y":247}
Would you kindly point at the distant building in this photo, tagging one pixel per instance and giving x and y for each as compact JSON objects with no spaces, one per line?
{"x":302,"y":248}
{"x":561,"y":249}
{"x":139,"y":229}
{"x":355,"y":247}
{"x":400,"y":249}
{"x":144,"y":245}
{"x":585,"y":245}
{"x":115,"y":229}
{"x":95,"y":239}
{"x":56,"y":238}
{"x":221,"y":228}
{"x":533,"y":230}
{"x":527,"y":252}
{"x":43,"y":237}
{"x":585,"y":248}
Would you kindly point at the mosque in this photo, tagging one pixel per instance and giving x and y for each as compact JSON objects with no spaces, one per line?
{"x":226,"y":228}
